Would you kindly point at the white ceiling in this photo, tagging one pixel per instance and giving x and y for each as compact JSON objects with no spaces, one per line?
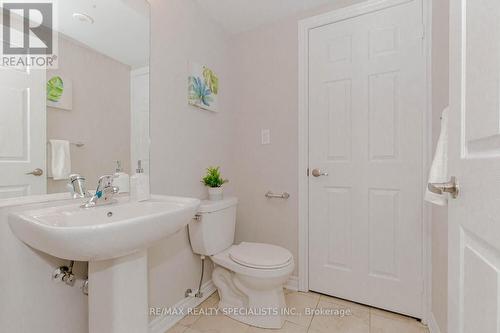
{"x":237,"y":16}
{"x":120,"y":29}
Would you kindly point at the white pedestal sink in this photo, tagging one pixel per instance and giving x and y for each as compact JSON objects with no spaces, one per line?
{"x":114,"y":240}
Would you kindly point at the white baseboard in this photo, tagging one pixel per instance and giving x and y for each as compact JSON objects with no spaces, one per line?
{"x":163,"y":323}
{"x":292,"y":283}
{"x":433,"y":326}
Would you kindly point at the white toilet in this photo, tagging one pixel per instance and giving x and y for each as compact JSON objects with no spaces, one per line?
{"x":248,"y":276}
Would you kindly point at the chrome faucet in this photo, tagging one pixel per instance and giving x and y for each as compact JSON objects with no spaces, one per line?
{"x":103,"y":194}
{"x":77,"y":186}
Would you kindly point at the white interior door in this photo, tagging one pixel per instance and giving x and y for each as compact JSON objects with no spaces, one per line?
{"x":366,"y":106}
{"x":474,"y":217}
{"x":22,"y":131}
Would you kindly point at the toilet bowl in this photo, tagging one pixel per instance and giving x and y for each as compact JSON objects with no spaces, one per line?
{"x":251,"y":293}
{"x":249,"y":276}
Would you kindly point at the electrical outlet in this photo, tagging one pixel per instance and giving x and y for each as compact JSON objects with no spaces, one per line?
{"x":266,"y":136}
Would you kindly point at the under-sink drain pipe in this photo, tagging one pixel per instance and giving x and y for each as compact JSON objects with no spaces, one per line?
{"x":199,"y":294}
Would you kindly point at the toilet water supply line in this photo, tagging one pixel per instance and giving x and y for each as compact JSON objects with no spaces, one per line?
{"x":199,"y":294}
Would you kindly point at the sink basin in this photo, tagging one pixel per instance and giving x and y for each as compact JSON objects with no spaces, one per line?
{"x":104,"y":232}
{"x":114,"y":240}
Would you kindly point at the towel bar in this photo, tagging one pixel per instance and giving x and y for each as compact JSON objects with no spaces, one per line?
{"x":271,"y":195}
{"x":76,"y":144}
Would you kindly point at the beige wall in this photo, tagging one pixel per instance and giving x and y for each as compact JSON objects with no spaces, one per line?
{"x":440,"y":85}
{"x":100,"y":117}
{"x":185,"y":140}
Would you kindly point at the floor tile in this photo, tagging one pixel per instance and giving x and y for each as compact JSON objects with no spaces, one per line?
{"x":300,"y":301}
{"x":384,"y":324}
{"x":288,"y":327}
{"x":190,"y":330}
{"x":177,"y":329}
{"x":337,"y":318}
{"x":188,"y":320}
{"x":390,"y":315}
{"x":331,"y":315}
{"x":342,"y":302}
{"x":219,"y":324}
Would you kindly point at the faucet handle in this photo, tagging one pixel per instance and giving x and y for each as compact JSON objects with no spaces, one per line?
{"x":103,"y":182}
{"x":104,"y":192}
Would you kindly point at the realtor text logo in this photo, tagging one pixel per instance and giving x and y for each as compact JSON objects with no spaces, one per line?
{"x":28,"y":34}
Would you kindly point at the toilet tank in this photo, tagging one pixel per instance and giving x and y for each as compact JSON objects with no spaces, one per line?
{"x":213,"y":230}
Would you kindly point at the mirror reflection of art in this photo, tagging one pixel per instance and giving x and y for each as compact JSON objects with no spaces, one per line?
{"x":203,"y":88}
{"x":59,"y":92}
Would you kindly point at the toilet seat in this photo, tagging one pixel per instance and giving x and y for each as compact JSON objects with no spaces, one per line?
{"x":260,"y":256}
{"x":223,"y":259}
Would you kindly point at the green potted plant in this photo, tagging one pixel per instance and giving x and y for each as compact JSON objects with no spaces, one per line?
{"x":214,"y":181}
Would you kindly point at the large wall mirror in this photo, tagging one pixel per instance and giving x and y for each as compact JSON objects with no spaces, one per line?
{"x":86,"y":115}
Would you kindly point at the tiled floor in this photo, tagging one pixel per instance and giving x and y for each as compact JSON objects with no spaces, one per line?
{"x":362,"y":319}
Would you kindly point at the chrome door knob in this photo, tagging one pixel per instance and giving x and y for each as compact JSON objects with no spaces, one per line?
{"x":318,"y":173}
{"x":451,"y":187}
{"x":37,"y":172}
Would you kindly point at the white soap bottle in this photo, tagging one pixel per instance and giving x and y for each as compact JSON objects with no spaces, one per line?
{"x":139,"y":185}
{"x":121,"y":179}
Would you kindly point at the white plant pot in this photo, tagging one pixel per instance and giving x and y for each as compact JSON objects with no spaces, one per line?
{"x":215,"y":193}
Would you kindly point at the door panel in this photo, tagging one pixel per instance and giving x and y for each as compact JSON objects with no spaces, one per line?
{"x":383,"y":217}
{"x":384,"y":114}
{"x":22,"y":131}
{"x":13,"y":118}
{"x":367,"y":99}
{"x":474,"y":217}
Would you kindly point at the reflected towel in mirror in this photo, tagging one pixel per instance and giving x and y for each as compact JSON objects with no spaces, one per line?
{"x":59,"y":159}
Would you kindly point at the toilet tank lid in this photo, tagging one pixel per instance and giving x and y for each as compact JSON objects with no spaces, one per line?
{"x":208,"y":206}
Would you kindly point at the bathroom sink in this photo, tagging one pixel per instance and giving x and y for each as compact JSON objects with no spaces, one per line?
{"x":114,"y":240}
{"x":104,"y":232}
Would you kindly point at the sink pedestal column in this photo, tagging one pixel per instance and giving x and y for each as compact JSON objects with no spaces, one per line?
{"x":118,"y":295}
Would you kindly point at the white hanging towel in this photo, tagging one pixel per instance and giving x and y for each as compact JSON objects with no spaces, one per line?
{"x":439,"y":168}
{"x":60,"y":159}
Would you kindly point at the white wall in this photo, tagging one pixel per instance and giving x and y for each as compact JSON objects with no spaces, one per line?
{"x":29,"y":300}
{"x":185,"y":140}
{"x":440,"y":84}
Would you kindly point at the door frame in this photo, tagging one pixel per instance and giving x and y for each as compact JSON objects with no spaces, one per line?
{"x":334,"y":16}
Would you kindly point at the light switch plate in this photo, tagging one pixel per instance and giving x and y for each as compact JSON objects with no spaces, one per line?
{"x":266,"y":136}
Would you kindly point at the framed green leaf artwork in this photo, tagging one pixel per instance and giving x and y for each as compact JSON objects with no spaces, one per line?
{"x":203,"y":87}
{"x":59,"y":92}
